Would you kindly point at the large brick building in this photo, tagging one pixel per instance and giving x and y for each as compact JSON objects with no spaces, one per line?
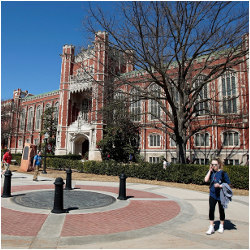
{"x":84,"y":80}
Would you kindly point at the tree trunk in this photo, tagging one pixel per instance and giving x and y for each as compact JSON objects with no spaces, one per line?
{"x":181,"y":150}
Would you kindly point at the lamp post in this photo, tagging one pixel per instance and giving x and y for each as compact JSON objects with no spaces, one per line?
{"x":46,"y":136}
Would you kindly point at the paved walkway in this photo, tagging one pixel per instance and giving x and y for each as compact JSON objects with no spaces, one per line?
{"x":152,"y":217}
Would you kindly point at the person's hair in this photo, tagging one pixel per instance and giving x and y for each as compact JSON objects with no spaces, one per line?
{"x":219,"y":162}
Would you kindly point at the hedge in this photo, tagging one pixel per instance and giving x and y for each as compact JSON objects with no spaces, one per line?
{"x":17,"y":157}
{"x":189,"y":173}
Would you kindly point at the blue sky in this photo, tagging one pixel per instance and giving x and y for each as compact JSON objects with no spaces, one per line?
{"x":32,"y":36}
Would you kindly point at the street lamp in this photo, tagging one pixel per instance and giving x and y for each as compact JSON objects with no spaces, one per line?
{"x":46,"y":136}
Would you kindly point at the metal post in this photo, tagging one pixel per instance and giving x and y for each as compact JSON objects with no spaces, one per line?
{"x":58,"y":199}
{"x":7,"y":184}
{"x":44,"y":164}
{"x":122,"y":189}
{"x":68,"y":179}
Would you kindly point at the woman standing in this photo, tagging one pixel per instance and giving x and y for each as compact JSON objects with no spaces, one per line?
{"x":216,"y":176}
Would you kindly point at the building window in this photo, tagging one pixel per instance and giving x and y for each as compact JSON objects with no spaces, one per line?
{"x":175,"y":96}
{"x":229,"y":93}
{"x":20,"y":143}
{"x":30,"y":119}
{"x":201,"y":105}
{"x":56,"y":112}
{"x":38,"y":117}
{"x":201,"y":161}
{"x":231,"y":162}
{"x":119,"y":96}
{"x":154,"y":140}
{"x":155,"y":109}
{"x":230,"y":138}
{"x":22,"y":119}
{"x":36,"y":141}
{"x":173,"y":160}
{"x":201,"y":140}
{"x":119,"y":108}
{"x":135,"y":107}
{"x":154,"y":159}
{"x":172,"y":142}
{"x":48,"y":105}
{"x":85,"y":109}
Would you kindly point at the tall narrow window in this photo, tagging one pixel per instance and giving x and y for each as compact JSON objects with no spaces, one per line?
{"x":20,"y":143}
{"x":119,"y":108}
{"x":229,"y":93}
{"x":202,"y":102}
{"x":56,"y":112}
{"x":22,"y":119}
{"x":135,"y":107}
{"x":30,"y":119}
{"x":85,"y":109}
{"x":175,"y":96}
{"x":155,"y":109}
{"x":38,"y":117}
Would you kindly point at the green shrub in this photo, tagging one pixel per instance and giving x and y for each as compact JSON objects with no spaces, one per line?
{"x":238,"y":175}
{"x":69,"y":157}
{"x":181,"y":173}
{"x":63,"y":164}
{"x":17,"y":157}
{"x":188,"y":173}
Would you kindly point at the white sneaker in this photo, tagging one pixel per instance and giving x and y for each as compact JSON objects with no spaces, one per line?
{"x":210,"y":230}
{"x":221,"y":229}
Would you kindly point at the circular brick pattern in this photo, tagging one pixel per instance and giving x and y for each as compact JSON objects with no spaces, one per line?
{"x":143,"y":209}
{"x":72,"y":199}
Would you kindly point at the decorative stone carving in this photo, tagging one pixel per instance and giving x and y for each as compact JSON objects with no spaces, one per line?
{"x":80,"y":82}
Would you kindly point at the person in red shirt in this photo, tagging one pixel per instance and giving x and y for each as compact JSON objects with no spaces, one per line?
{"x":7,"y":157}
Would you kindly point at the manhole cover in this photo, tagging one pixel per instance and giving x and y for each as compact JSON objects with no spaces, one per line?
{"x":71,"y":199}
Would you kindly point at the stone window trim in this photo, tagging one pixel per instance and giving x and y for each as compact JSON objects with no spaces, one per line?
{"x":153,"y":105}
{"x":156,"y":139}
{"x":135,"y":106}
{"x":20,"y":143}
{"x":38,"y":116}
{"x":206,"y":140}
{"x":229,"y":96}
{"x":232,"y":134}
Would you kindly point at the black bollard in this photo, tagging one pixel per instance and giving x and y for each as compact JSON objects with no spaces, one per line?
{"x":7,"y":184}
{"x":68,"y":179}
{"x":58,"y":199}
{"x":122,"y":189}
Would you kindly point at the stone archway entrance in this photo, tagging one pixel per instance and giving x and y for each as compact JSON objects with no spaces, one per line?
{"x":85,"y":148}
{"x":81,"y":145}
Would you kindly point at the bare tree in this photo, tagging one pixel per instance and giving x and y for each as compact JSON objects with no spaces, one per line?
{"x":7,"y":109}
{"x":182,"y":47}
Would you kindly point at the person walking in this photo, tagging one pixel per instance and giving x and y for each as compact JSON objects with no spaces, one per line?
{"x":7,"y":157}
{"x":216,"y":176}
{"x":37,"y":162}
{"x":165,"y":163}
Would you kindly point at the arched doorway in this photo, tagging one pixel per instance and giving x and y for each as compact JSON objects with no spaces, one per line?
{"x":81,"y":146}
{"x":85,"y":148}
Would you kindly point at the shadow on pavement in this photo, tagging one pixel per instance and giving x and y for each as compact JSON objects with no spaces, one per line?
{"x":228,"y":225}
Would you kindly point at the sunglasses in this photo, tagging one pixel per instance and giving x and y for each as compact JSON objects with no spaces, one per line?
{"x":214,"y":164}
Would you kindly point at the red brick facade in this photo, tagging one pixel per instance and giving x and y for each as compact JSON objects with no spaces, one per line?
{"x":84,"y":77}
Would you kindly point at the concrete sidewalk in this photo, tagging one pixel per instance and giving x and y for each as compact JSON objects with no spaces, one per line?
{"x":153,"y":217}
